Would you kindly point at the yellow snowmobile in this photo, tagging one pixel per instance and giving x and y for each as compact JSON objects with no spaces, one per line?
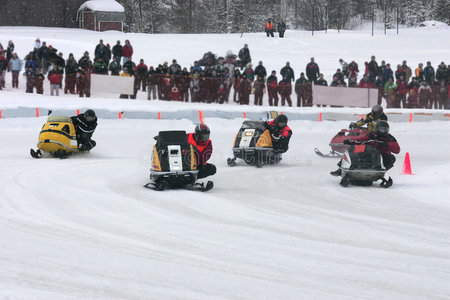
{"x":57,"y":137}
{"x":174,"y":164}
{"x":253,"y":144}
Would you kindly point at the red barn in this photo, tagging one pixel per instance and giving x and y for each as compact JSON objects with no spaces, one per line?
{"x":101,"y":15}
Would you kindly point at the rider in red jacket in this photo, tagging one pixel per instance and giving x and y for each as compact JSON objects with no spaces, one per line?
{"x":280,"y":133}
{"x":203,"y":150}
{"x":380,"y":139}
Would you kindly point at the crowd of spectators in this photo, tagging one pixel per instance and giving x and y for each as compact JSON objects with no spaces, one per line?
{"x":212,"y":80}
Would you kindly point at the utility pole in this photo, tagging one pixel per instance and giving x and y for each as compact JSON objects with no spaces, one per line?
{"x":326,"y":16}
{"x":385,"y":17}
{"x":373,"y":16}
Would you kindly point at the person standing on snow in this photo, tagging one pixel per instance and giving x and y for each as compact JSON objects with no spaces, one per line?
{"x":269,"y":28}
{"x":312,"y":71}
{"x":244,"y":56}
{"x":281,"y":28}
{"x":203,"y":150}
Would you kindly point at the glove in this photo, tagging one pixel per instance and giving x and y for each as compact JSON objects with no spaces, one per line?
{"x":275,"y":136}
{"x":266,"y":124}
{"x":352,"y":125}
{"x":347,"y":142}
{"x":382,"y":143}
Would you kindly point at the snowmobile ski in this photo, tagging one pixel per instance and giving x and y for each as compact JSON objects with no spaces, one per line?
{"x":35,"y":154}
{"x":164,"y":185}
{"x":332,"y":154}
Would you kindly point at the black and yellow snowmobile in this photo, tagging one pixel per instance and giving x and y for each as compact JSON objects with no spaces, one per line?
{"x":174,"y":164}
{"x":57,"y":137}
{"x":253,"y":144}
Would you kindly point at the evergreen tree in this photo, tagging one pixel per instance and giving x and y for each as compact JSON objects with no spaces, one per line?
{"x":441,"y":11}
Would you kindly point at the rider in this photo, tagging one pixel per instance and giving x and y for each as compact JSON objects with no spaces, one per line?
{"x":85,"y":125}
{"x":380,"y":139}
{"x":203,"y":150}
{"x":280,"y":133}
{"x":371,"y":118}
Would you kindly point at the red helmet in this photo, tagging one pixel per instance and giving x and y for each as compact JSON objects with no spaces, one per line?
{"x":202,"y":132}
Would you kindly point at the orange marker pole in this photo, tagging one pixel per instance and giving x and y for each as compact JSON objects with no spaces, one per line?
{"x":200,"y":116}
{"x":159,"y":116}
{"x":362,"y":117}
{"x":410,"y":117}
{"x":320,"y":117}
{"x":120,"y":115}
{"x":37,"y":112}
{"x":0,"y":114}
{"x":245,"y":115}
{"x":78,"y":112}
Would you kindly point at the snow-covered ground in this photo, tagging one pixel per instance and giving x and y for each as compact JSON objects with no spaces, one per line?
{"x":86,"y":228}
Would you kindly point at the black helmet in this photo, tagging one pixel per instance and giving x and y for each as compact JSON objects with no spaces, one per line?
{"x":382,"y":127}
{"x":377,"y":110}
{"x":281,"y":121}
{"x":202,"y":132}
{"x":89,"y":116}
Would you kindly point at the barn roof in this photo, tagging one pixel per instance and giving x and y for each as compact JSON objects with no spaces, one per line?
{"x":102,"y":5}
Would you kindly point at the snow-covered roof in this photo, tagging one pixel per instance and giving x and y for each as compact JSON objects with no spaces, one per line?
{"x":102,"y":5}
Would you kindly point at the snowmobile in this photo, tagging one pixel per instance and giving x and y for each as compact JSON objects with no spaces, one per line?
{"x":253,"y":144}
{"x":174,"y":164}
{"x":337,"y":142}
{"x":362,"y":165}
{"x":57,"y":137}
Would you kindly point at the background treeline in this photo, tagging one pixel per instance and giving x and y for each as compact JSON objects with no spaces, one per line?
{"x":220,"y":16}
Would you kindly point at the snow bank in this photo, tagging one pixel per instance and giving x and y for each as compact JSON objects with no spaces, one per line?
{"x":433,"y":23}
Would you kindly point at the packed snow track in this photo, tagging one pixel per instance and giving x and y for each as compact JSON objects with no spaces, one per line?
{"x":84,"y":227}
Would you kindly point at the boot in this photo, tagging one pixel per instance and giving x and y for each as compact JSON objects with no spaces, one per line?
{"x":338,"y":172}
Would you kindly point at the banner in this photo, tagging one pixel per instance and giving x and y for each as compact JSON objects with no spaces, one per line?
{"x":106,"y":84}
{"x":342,"y":96}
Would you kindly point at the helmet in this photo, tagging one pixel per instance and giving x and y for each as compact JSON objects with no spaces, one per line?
{"x":202,"y":132}
{"x":377,"y":110}
{"x":89,"y":116}
{"x":281,"y":121}
{"x":382,"y":127}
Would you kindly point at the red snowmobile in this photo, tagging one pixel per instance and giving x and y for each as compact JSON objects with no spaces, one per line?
{"x":337,"y":145}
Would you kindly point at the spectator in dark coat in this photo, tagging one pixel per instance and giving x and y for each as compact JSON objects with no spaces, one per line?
{"x":321,"y":81}
{"x":38,"y":82}
{"x":387,"y":73}
{"x":373,"y":69}
{"x":83,"y":61}
{"x":312,"y":71}
{"x":288,"y":72}
{"x":260,"y":70}
{"x":117,"y":51}
{"x":141,"y":75}
{"x":442,"y":73}
{"x":244,"y":56}
{"x":300,"y":90}
{"x":259,"y":88}
{"x":115,"y":67}
{"x":281,"y":28}
{"x":429,"y":73}
{"x":71,"y":75}
{"x":400,"y":72}
{"x":245,"y":88}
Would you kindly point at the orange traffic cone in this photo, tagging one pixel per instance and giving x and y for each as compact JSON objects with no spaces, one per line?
{"x":407,"y":166}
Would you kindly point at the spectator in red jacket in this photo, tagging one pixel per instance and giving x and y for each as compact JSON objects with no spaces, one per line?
{"x":203,"y":150}
{"x":365,"y":82}
{"x":141,"y":75}
{"x":285,"y":90}
{"x":54,"y":76}
{"x":272,"y":88}
{"x":127,"y":52}
{"x":402,"y":91}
